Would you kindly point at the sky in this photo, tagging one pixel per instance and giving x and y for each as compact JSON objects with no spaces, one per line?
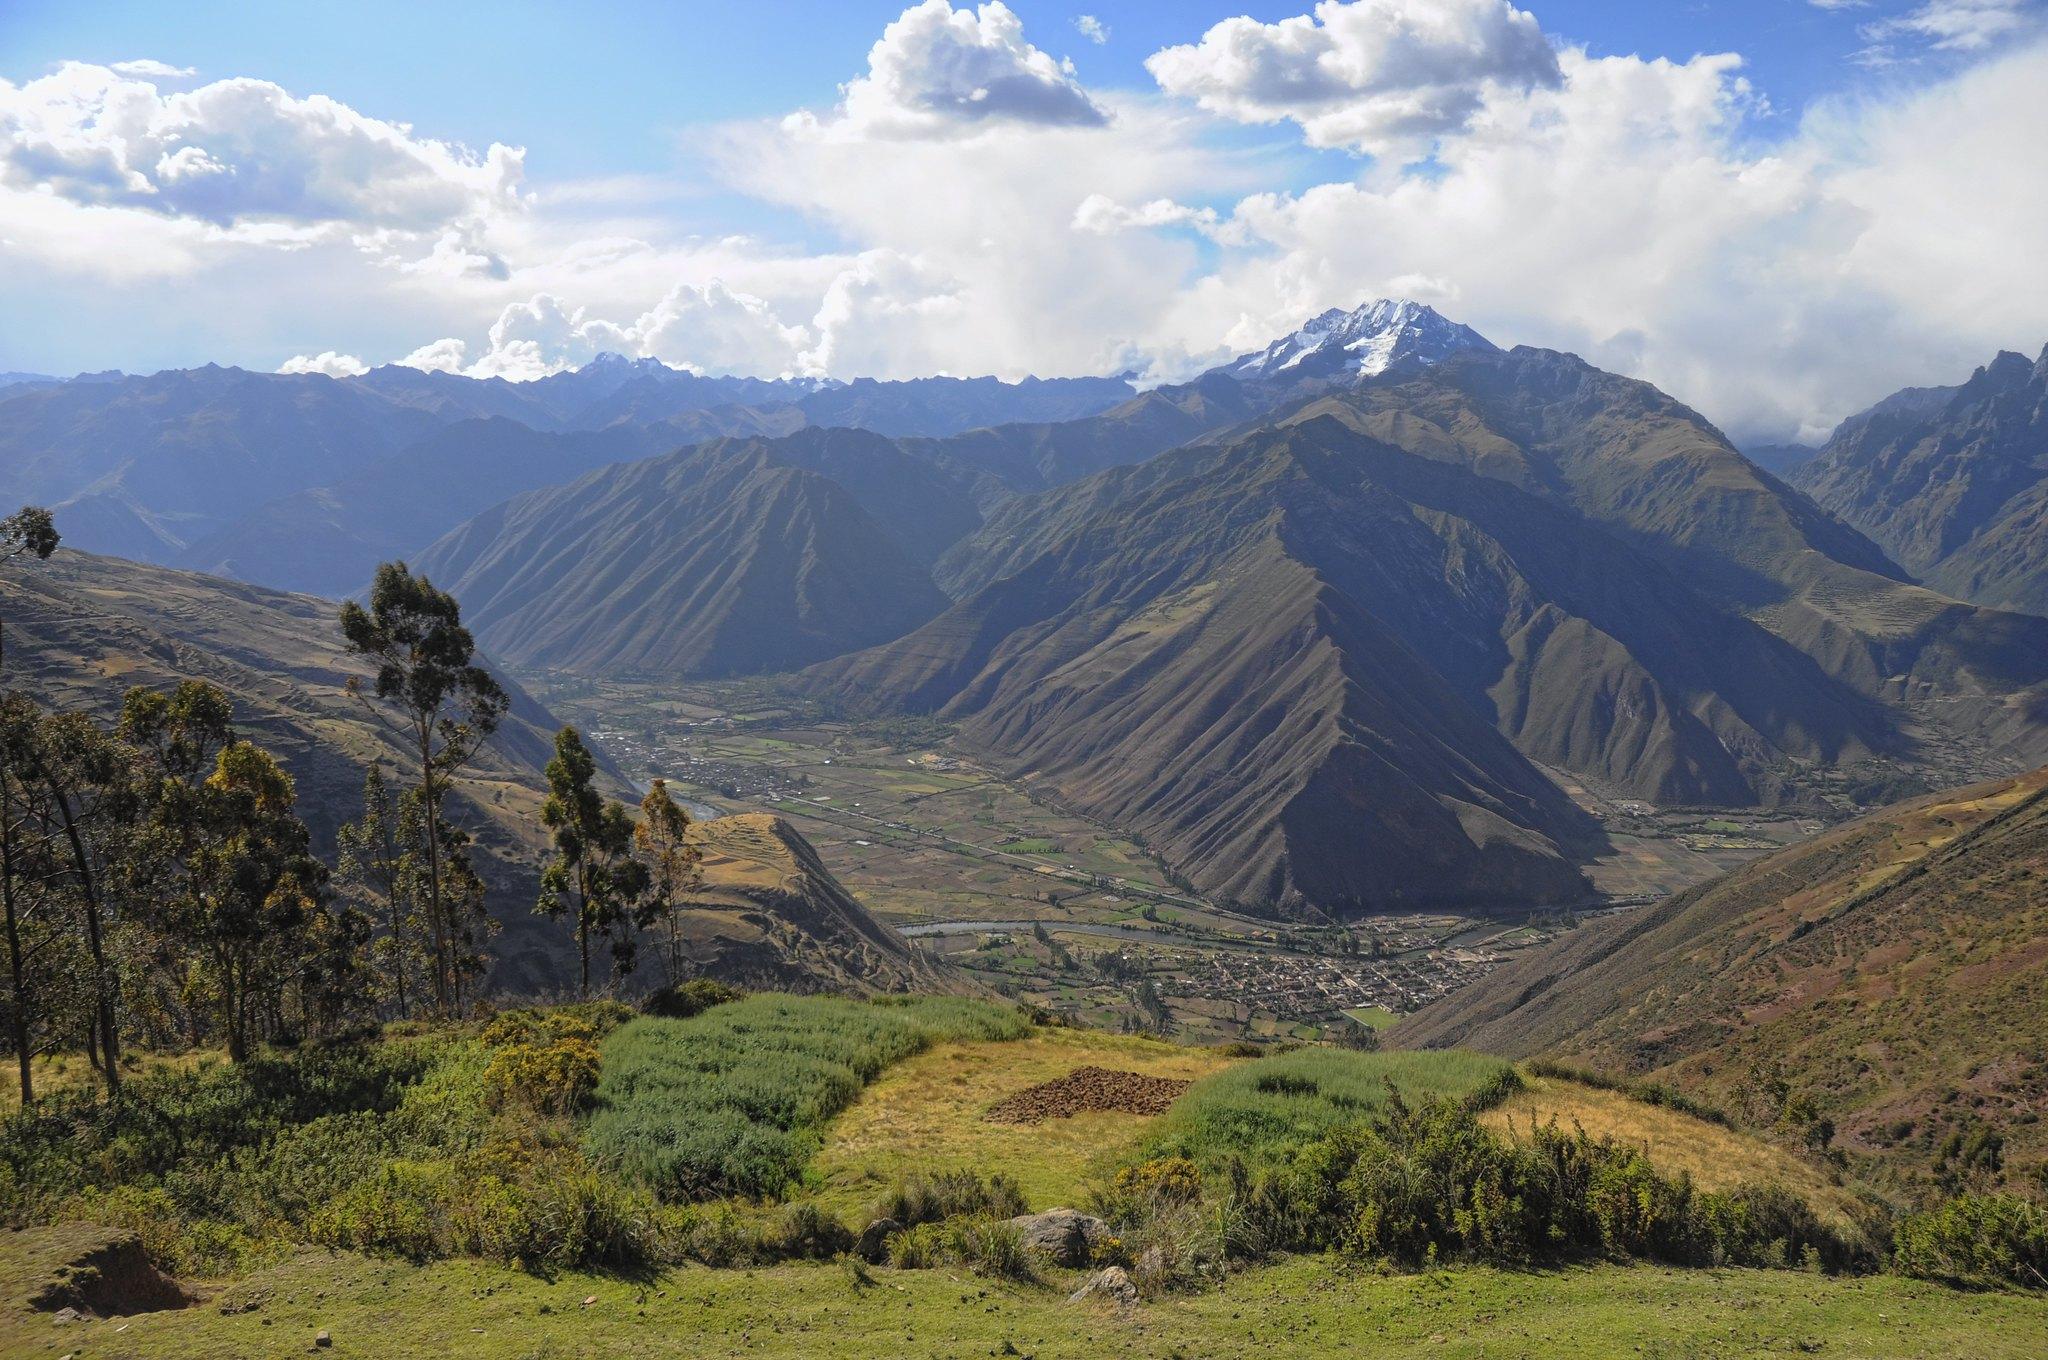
{"x":1776,"y":210}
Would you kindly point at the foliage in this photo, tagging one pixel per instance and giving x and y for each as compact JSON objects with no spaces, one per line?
{"x":663,"y":837}
{"x":921,"y":1198}
{"x":1422,"y":1183}
{"x":1263,"y":1110}
{"x":592,"y":873}
{"x":448,"y":706}
{"x":733,"y":1100}
{"x":685,"y":999}
{"x":1976,"y":1239}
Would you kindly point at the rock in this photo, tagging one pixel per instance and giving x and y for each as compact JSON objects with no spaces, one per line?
{"x":873,"y":1246}
{"x":67,"y":1316}
{"x":322,"y":1339}
{"x":1111,"y":1285}
{"x":1151,"y":1262}
{"x":1066,"y":1237}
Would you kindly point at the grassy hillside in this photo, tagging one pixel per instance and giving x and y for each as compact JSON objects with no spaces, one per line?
{"x":556,"y":1183}
{"x":81,"y":630}
{"x":1889,"y":977}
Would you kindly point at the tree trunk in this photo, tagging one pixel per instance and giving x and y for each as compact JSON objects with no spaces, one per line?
{"x":102,"y":982}
{"x":583,"y":928}
{"x":430,"y":806}
{"x":16,"y":969}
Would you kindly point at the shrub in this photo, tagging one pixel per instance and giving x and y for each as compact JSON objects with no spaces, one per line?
{"x":989,"y":1246}
{"x":917,"y":1247}
{"x":1976,"y":1239}
{"x":806,"y":1232}
{"x":919,"y":1198}
{"x":733,"y":1101}
{"x":554,"y":1078}
{"x":686,"y":999}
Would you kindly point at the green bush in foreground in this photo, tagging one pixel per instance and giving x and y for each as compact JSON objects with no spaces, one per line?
{"x":1421,"y":1184}
{"x":733,"y":1101}
{"x":1262,"y":1111}
{"x":1976,"y":1239}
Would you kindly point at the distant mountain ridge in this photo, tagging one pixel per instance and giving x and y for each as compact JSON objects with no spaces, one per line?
{"x":184,"y":466}
{"x":1952,"y":481}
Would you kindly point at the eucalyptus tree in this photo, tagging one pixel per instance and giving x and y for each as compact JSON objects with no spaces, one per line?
{"x":593,"y":873}
{"x":446,"y":706}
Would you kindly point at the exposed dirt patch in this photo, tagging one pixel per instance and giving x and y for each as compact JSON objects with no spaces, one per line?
{"x":1089,"y":1088}
{"x":109,"y":1275}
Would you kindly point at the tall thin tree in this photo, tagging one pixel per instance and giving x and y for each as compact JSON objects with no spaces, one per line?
{"x":593,"y":871}
{"x":447,"y":704}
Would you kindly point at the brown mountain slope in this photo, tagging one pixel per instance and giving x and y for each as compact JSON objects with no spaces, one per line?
{"x":768,"y":914}
{"x":1896,"y":969}
{"x":719,"y":560}
{"x":81,"y":630}
{"x":1651,"y":470}
{"x":1295,"y":664}
{"x":1952,"y":481}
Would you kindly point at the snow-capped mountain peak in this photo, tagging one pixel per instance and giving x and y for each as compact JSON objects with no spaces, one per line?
{"x":1362,"y":342}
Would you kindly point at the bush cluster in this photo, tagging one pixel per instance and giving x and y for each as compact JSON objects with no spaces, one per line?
{"x":1977,"y":1240}
{"x":734,"y":1101}
{"x":1420,"y":1184}
{"x":918,"y":1198}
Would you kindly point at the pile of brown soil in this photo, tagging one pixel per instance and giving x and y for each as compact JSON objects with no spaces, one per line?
{"x":1089,"y":1088}
{"x":102,"y":1272}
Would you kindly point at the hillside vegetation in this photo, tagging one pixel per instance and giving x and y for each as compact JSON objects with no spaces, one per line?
{"x":1882,"y":989}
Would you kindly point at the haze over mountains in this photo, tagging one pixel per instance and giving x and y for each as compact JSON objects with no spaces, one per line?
{"x":1320,"y":626}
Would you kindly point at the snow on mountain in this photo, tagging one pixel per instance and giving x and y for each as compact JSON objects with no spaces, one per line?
{"x":1365,"y":341}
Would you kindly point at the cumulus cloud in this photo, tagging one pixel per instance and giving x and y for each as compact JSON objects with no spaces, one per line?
{"x":1386,"y":77}
{"x":706,"y":328}
{"x":238,"y":152}
{"x":1633,"y":215}
{"x":1092,"y":28}
{"x":938,"y":72}
{"x":158,"y":70}
{"x":328,"y":362}
{"x":448,"y":355}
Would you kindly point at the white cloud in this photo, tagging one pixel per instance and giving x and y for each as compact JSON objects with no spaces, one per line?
{"x":1633,"y":216}
{"x":937,"y":72}
{"x":1386,"y":77}
{"x":159,"y":70}
{"x":1104,"y":216}
{"x":707,"y":328}
{"x":1958,"y":25}
{"x":1092,"y":28}
{"x":240,"y":154}
{"x":447,"y":355}
{"x":332,"y":364}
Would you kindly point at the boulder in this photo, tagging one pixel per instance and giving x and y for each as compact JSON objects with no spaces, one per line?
{"x":1065,"y":1237}
{"x":873,"y":1246}
{"x":1111,"y":1285}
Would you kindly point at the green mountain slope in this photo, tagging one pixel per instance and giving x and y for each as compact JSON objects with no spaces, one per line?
{"x":719,"y":560}
{"x":1894,"y":969}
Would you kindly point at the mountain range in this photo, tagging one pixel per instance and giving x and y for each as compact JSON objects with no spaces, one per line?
{"x":1951,"y":481}
{"x":1323,"y":626}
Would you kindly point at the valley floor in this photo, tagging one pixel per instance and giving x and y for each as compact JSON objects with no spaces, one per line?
{"x":1300,"y":1307}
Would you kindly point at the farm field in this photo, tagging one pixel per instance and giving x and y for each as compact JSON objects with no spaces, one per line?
{"x":976,"y":866}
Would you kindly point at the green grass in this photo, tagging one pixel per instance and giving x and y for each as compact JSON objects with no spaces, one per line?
{"x":734,"y":1101}
{"x":1308,"y":1306}
{"x":1262,"y":1110}
{"x":1374,"y":1017}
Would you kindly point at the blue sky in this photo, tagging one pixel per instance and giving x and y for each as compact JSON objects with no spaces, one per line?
{"x":693,"y":185}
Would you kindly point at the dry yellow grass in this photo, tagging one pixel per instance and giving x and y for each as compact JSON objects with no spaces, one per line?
{"x":63,"y":1073}
{"x":925,"y":1115}
{"x":1716,"y":1158}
